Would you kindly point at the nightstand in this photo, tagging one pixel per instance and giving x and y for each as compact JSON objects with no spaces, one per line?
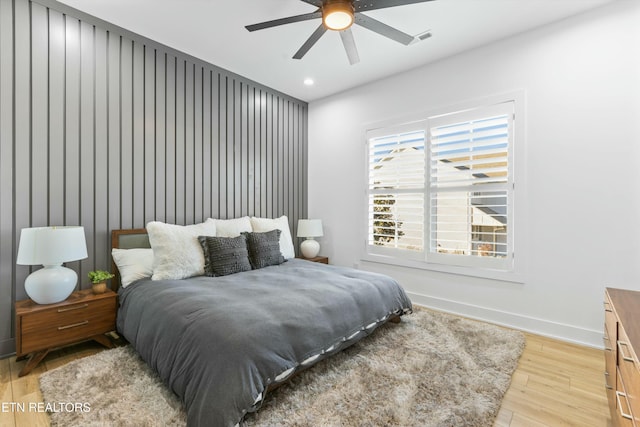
{"x":81,"y":317}
{"x":319,"y":258}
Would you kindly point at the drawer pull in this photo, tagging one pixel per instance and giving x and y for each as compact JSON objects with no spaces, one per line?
{"x":624,"y":415}
{"x":75,"y":307}
{"x":606,"y":381}
{"x":606,"y":340}
{"x":626,"y":358}
{"x":74,"y":325}
{"x":606,"y":306}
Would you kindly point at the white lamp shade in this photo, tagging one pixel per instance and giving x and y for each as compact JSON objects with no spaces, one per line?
{"x":51,"y":245}
{"x":309,"y":228}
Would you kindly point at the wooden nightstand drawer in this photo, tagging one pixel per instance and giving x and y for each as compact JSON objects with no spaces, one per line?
{"x":321,"y":259}
{"x":82,"y":316}
{"x":58,"y":326}
{"x":62,"y":316}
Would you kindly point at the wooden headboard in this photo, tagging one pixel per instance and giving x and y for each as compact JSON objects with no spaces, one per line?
{"x":127,"y":239}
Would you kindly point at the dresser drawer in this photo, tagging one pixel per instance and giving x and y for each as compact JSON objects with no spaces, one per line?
{"x":63,"y":325}
{"x":610,"y":322}
{"x":623,"y":416}
{"x":630,"y":373}
{"x":609,"y":340}
{"x":610,"y":368}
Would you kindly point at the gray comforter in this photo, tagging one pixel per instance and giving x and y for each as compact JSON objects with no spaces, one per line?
{"x":219,"y":342}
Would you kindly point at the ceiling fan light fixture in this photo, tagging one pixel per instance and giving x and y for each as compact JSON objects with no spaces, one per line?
{"x":338,"y":15}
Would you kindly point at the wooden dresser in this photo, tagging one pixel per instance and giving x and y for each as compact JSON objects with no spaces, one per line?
{"x":622,"y":346}
{"x":83,"y":316}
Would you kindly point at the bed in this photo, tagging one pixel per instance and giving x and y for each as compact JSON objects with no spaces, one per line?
{"x":222,"y":343}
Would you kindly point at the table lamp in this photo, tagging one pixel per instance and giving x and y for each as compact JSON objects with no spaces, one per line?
{"x":50,"y":247}
{"x":309,"y":228}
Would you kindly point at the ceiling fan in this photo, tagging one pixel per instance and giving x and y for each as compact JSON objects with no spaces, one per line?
{"x":340,"y":15}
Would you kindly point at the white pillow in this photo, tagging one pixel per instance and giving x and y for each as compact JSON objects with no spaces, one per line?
{"x":133,"y":264}
{"x":267,"y":224}
{"x":232,"y":227}
{"x":177,"y":253}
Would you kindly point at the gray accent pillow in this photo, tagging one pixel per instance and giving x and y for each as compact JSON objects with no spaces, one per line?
{"x":224,"y":255}
{"x":264,"y":248}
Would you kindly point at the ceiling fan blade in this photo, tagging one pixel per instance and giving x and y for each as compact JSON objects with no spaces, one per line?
{"x":363,"y":6}
{"x":317,"y":3}
{"x":350,"y":46}
{"x":310,"y":42}
{"x":383,"y":29}
{"x":283,"y":21}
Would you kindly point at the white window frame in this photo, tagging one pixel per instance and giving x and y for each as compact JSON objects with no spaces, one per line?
{"x":508,"y":269}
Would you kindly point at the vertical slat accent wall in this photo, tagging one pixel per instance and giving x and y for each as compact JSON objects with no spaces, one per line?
{"x":103,"y":128}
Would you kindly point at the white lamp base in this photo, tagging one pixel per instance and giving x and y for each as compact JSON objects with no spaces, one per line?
{"x":310,"y":248}
{"x":51,"y":284}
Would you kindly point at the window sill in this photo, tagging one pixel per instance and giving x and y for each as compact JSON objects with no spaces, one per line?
{"x":483,"y":273}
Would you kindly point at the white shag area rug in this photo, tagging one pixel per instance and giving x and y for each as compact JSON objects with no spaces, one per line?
{"x":432,"y":369}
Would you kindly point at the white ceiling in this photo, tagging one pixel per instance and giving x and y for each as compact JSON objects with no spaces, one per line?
{"x":213,"y":30}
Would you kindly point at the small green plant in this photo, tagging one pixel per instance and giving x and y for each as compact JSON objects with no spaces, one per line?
{"x":99,"y":276}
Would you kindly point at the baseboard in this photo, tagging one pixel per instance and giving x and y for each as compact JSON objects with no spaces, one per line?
{"x":560,"y":331}
{"x":7,"y":348}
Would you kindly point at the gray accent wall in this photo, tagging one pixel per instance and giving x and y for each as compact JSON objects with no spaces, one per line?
{"x":103,"y":128}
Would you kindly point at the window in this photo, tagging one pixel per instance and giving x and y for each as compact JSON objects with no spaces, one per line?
{"x":396,"y":190}
{"x":470,"y":187}
{"x":441,"y":190}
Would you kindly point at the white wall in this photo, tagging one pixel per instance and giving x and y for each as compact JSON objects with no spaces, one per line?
{"x":581,"y":79}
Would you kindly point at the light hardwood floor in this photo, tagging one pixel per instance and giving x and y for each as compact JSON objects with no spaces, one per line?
{"x":556,"y":384}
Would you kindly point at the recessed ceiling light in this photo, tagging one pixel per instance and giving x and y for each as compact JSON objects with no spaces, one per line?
{"x":424,"y":35}
{"x":308,"y":81}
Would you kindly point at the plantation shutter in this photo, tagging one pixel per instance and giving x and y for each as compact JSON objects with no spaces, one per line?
{"x":470,"y":183}
{"x":396,"y":183}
